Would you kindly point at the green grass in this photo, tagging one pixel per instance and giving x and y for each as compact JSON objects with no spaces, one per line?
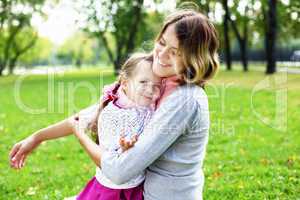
{"x":250,"y":154}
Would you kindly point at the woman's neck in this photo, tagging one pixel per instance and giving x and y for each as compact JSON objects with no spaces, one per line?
{"x":169,"y":84}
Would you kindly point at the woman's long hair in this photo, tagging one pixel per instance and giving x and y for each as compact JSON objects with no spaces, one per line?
{"x":198,"y":44}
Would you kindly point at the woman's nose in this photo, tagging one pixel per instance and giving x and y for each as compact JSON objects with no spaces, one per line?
{"x":163,"y":53}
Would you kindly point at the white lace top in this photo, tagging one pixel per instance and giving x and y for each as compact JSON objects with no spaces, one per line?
{"x":112,"y":122}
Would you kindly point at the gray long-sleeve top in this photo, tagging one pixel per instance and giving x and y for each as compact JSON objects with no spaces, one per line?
{"x":171,"y":149}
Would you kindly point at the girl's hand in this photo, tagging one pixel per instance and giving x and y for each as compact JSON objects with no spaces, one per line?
{"x":78,"y":127}
{"x":127,"y":144}
{"x":21,"y":150}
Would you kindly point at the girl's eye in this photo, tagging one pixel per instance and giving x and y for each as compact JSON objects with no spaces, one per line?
{"x":143,"y":82}
{"x":157,"y":88}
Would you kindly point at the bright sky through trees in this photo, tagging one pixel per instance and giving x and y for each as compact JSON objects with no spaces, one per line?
{"x":62,"y":17}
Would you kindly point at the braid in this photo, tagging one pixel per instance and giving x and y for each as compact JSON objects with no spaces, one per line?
{"x":93,"y":126}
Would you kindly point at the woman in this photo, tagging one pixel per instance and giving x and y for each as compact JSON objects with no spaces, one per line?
{"x":172,"y":146}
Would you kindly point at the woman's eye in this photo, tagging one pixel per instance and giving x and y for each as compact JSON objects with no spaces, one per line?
{"x":175,"y":53}
{"x":143,"y":82}
{"x":161,"y":42}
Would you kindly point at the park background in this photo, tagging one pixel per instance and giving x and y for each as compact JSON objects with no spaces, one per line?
{"x":55,"y":57}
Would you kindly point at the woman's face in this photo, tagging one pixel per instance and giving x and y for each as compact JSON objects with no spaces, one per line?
{"x":167,"y":59}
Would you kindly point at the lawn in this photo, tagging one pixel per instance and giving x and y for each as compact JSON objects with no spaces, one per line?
{"x":253,"y":151}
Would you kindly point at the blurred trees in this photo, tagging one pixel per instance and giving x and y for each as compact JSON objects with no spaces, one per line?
{"x":39,"y":54}
{"x":15,"y":17}
{"x":77,"y":50}
{"x":254,"y":21}
{"x":111,"y":30}
{"x":116,"y":24}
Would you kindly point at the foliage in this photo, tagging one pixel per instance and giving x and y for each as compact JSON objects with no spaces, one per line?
{"x":40,"y":53}
{"x":246,"y":159}
{"x":15,"y":17}
{"x":78,"y":49}
{"x":120,"y":20}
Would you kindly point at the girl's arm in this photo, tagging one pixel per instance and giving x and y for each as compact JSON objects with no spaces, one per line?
{"x":94,"y":150}
{"x":22,"y":149}
{"x":90,"y":147}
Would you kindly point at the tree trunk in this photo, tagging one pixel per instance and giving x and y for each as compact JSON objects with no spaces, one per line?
{"x":117,"y":66}
{"x":226,"y":36}
{"x":271,"y":29}
{"x":1,"y":69}
{"x":244,"y":55}
{"x":123,"y":50}
{"x":242,"y":40}
{"x":18,"y":52}
{"x":244,"y":48}
{"x":134,"y":27}
{"x":78,"y":63}
{"x":242,"y":43}
{"x":12,"y":64}
{"x":11,"y":69}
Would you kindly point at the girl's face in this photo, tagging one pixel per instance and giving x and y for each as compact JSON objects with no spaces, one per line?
{"x":144,"y":87}
{"x":167,"y":59}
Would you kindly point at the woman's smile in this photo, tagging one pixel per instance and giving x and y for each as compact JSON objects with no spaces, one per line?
{"x":162,"y":64}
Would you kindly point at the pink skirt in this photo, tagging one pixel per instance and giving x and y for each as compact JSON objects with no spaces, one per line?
{"x":96,"y":191}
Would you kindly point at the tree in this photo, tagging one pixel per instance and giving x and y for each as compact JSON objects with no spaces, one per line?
{"x":78,"y":49}
{"x":115,"y":24}
{"x":22,"y":42}
{"x":38,"y":54}
{"x":240,"y":25}
{"x":15,"y":17}
{"x":276,"y":30}
{"x":226,"y":21}
{"x":270,"y":36}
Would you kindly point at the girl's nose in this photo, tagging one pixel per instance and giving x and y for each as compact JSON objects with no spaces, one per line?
{"x":149,"y":90}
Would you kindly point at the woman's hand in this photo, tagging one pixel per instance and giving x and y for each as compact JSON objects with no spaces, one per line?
{"x":127,"y":144}
{"x":21,"y":150}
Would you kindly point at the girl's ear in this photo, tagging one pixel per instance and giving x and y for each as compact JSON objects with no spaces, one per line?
{"x":124,"y":84}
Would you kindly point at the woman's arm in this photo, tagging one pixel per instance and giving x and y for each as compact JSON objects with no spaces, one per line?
{"x":22,"y":149}
{"x":168,"y":123}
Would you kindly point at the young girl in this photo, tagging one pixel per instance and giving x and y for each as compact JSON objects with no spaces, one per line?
{"x":125,"y":109}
